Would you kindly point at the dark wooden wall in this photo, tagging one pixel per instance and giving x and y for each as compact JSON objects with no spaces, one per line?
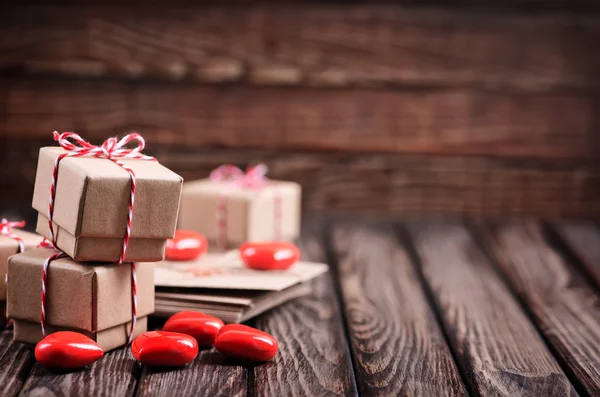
{"x":374,"y":108}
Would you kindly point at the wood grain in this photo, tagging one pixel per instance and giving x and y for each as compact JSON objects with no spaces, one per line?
{"x":564,"y":306}
{"x":498,"y":348}
{"x":16,"y":360}
{"x":502,"y":6}
{"x":369,"y":184}
{"x":441,"y":122}
{"x":314,"y":357}
{"x":210,"y":374}
{"x":582,"y":240}
{"x":315,"y":45}
{"x":400,"y":185}
{"x":113,"y":375}
{"x":396,"y":341}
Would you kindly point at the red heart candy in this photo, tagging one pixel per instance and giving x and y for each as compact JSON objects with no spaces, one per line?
{"x":67,"y":350}
{"x":276,"y":255}
{"x":165,"y":349}
{"x":246,"y":343}
{"x":200,"y":326}
{"x":187,"y":245}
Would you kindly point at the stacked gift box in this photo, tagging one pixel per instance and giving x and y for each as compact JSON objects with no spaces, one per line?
{"x":89,"y":286}
{"x":12,"y":241}
{"x":84,"y":277}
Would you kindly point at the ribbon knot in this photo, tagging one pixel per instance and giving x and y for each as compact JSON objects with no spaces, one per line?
{"x":6,"y":226}
{"x":254,"y":177}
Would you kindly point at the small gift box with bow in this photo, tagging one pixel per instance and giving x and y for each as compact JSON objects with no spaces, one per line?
{"x":13,"y":241}
{"x":95,"y":299}
{"x":101,"y":198}
{"x":232,"y":207}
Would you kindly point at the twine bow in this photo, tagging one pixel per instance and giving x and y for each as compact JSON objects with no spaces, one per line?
{"x":110,"y":149}
{"x":255,"y":177}
{"x":113,"y":150}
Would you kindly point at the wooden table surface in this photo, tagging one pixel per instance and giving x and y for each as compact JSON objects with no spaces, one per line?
{"x":427,"y":308}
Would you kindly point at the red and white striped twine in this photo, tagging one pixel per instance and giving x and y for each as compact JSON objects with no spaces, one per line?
{"x":111,"y":149}
{"x":221,"y":215}
{"x":6,"y":230}
{"x":254,"y":177}
{"x":47,"y":244}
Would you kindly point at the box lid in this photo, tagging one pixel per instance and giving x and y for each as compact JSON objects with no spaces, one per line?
{"x":209,"y":188}
{"x":92,"y":196}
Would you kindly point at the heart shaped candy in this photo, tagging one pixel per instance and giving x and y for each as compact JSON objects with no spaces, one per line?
{"x":187,"y":245}
{"x":246,"y":343}
{"x":276,"y":255}
{"x":200,"y":326}
{"x":67,"y":350}
{"x":165,"y":349}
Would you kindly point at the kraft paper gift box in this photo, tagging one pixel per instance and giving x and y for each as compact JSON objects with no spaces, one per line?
{"x":8,"y":247}
{"x":250,"y":212}
{"x":91,"y":298}
{"x":92,"y":201}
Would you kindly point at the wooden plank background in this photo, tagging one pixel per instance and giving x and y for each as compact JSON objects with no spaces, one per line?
{"x":421,"y":308}
{"x":490,"y":334}
{"x":341,"y":45}
{"x":314,"y":357}
{"x":396,"y":341}
{"x":582,"y":240}
{"x":16,"y":361}
{"x":573,"y":6}
{"x":399,"y":186}
{"x":375,"y":108}
{"x":562,"y":302}
{"x":446,"y":122}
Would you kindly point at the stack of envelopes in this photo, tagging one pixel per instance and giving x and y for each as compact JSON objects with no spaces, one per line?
{"x":220,"y":285}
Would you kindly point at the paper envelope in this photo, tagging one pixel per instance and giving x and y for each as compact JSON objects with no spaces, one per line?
{"x":227,"y":271}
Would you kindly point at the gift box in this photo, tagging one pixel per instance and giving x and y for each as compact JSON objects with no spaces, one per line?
{"x":91,"y":298}
{"x":8,"y":247}
{"x":231,"y":214}
{"x":91,"y":206}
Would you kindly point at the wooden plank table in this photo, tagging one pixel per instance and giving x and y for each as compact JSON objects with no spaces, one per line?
{"x":426,"y":308}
